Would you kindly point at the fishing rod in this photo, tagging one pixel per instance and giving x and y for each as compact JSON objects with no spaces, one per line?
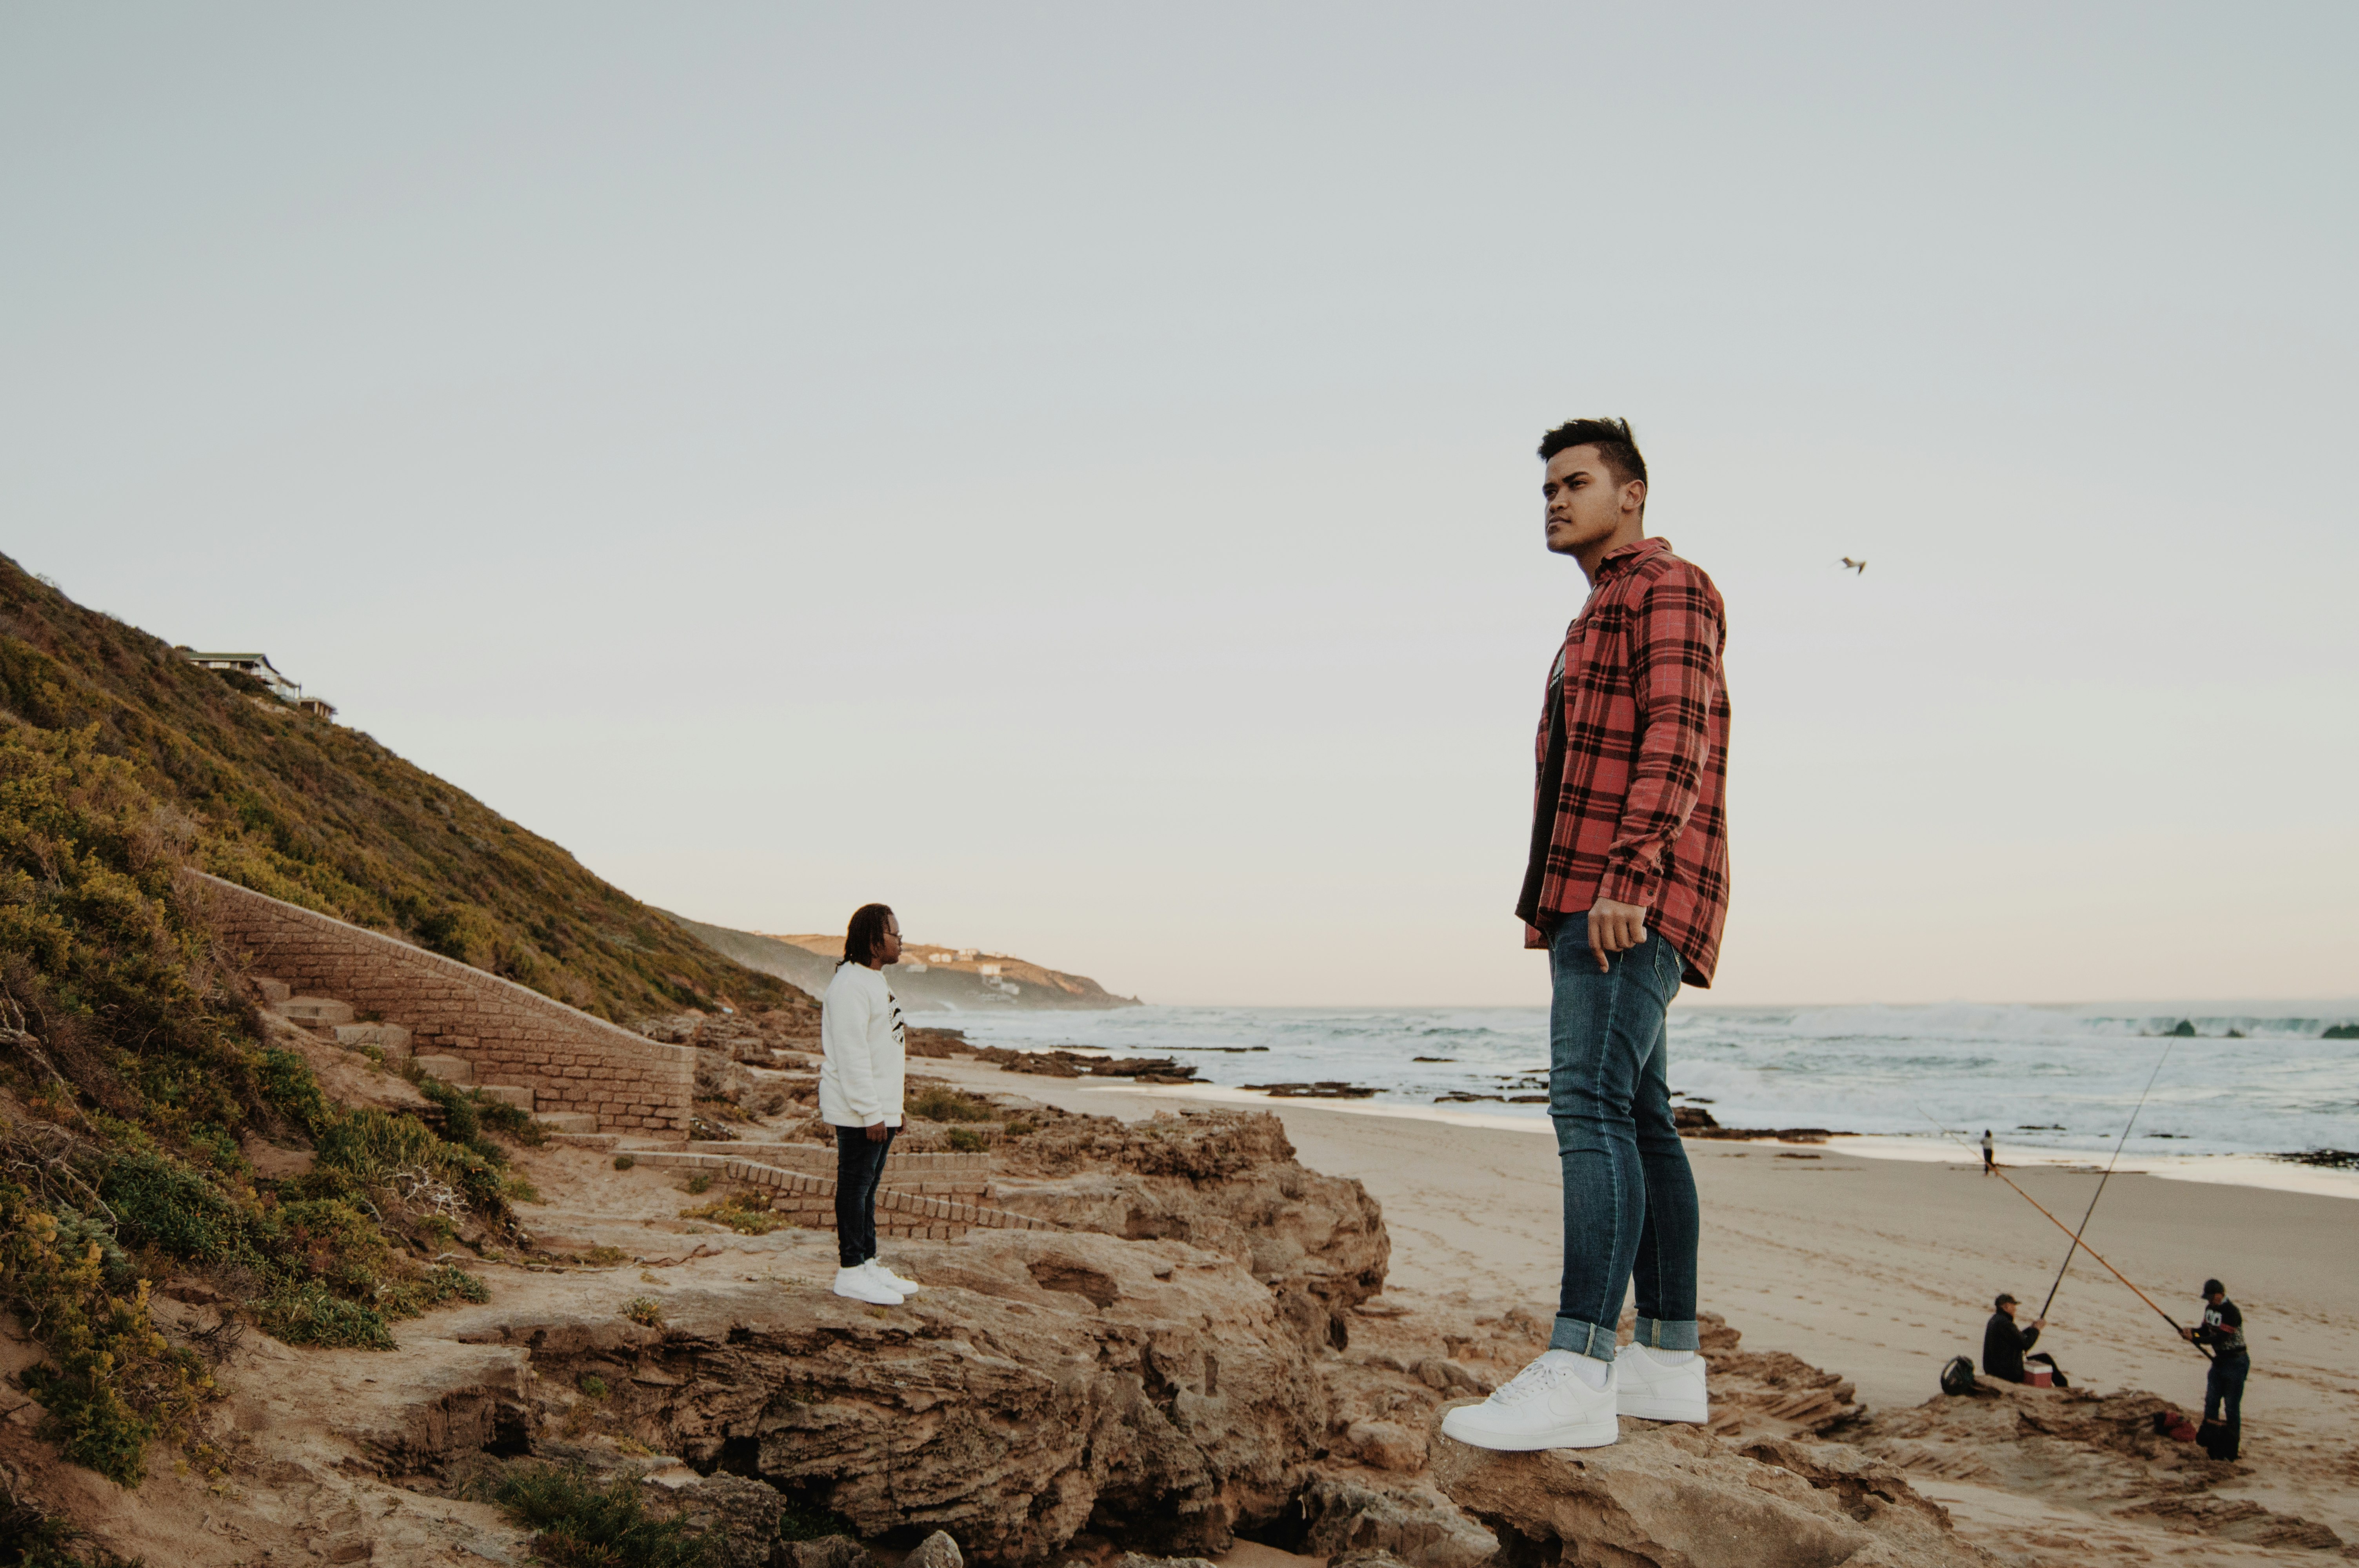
{"x":2102,"y":1180}
{"x":2067,"y":1229}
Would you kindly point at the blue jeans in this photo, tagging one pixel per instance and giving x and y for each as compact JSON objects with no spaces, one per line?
{"x":859,"y":1167}
{"x":2223,"y":1399}
{"x":1629,"y":1197}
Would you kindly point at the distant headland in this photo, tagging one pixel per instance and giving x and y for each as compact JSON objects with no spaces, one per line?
{"x":931,"y":977}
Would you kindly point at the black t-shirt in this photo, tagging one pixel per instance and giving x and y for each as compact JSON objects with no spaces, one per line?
{"x":2223,"y":1328}
{"x":1548,"y":792}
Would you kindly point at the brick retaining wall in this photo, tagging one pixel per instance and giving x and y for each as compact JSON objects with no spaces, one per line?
{"x":810,"y":1200}
{"x":511,"y":1035}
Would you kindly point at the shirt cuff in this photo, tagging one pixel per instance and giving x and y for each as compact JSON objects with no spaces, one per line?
{"x":1627,"y":884}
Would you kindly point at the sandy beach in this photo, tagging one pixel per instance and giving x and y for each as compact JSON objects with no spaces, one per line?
{"x":1882,"y":1269}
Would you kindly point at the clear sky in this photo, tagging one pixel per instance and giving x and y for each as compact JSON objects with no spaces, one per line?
{"x":1067,"y":469}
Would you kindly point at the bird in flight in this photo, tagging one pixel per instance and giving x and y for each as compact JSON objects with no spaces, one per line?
{"x":1859,"y":567}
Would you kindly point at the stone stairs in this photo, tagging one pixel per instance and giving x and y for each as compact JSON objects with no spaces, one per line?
{"x":333,"y":1021}
{"x":947,"y":1208}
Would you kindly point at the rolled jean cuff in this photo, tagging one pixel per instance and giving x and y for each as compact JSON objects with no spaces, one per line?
{"x":1657,"y":1335}
{"x":1586,"y":1338}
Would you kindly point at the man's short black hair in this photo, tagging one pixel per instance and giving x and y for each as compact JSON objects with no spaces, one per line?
{"x":2214,"y":1288}
{"x":1612,"y":440}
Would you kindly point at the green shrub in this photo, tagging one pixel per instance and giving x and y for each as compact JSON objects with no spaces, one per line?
{"x":624,"y":1162}
{"x":463,"y":1117}
{"x":159,"y":1202}
{"x":644,"y":1311}
{"x":592,"y":1386}
{"x":509,"y":1121}
{"x":399,"y":1153}
{"x":372,"y":1146}
{"x":700,"y":1183}
{"x":111,"y":1385}
{"x":581,"y":1523}
{"x":966,"y":1140}
{"x":311,"y":1314}
{"x":289,"y":1083}
{"x":939,"y":1102}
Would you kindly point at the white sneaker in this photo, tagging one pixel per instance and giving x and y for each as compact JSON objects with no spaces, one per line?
{"x":860,"y":1285}
{"x":892,"y":1281}
{"x":1545,"y":1405}
{"x":1652,"y":1391}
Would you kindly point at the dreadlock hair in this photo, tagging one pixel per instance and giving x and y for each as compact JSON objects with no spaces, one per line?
{"x":1612,"y":438}
{"x":863,"y":939}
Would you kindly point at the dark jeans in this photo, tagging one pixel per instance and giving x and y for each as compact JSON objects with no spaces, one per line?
{"x":2223,"y":1397}
{"x":1629,"y":1197}
{"x":859,"y":1166}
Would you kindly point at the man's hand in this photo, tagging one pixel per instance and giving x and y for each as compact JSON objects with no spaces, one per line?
{"x":2188,"y":1335}
{"x":1614,"y":928}
{"x":876,"y":1133}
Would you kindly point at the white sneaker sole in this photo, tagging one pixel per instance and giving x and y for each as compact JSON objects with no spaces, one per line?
{"x":872,"y":1295}
{"x":1644,"y":1409}
{"x":1593,"y":1433}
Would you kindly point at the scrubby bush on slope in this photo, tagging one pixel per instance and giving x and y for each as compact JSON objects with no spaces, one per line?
{"x":134,"y":1070}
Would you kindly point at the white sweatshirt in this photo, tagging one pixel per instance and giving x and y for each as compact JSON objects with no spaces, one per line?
{"x":863,"y":1048}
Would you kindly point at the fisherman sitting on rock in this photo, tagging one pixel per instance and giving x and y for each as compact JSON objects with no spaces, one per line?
{"x":2005,"y":1339}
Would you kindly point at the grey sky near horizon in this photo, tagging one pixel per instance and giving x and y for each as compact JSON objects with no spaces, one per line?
{"x":1068,"y":471}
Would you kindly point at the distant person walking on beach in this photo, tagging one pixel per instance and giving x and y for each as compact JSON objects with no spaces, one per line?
{"x":2224,"y":1388}
{"x":1990,"y":1155}
{"x":1626,"y":887}
{"x":862,"y":1047}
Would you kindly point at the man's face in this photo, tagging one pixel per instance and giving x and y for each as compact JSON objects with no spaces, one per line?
{"x":1584,"y":503}
{"x":2216,"y":1297}
{"x":2007,"y":1307}
{"x":891,"y":945}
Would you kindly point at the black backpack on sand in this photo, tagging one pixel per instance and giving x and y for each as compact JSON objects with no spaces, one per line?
{"x":1958,"y":1377}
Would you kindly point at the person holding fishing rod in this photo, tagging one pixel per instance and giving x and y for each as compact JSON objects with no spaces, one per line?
{"x":2222,"y":1333}
{"x":2005,"y":1339}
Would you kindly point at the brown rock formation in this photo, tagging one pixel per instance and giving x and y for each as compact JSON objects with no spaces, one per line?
{"x":1676,"y":1497}
{"x":1041,"y":1378}
{"x":1223,"y":1181}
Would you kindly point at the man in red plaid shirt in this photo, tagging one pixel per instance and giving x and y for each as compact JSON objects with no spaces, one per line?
{"x":1626,"y":887}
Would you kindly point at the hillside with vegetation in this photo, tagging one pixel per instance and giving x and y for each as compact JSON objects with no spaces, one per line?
{"x":157,"y":1128}
{"x":323,"y":815}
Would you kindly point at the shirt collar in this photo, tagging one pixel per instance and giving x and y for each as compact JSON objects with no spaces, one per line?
{"x":1629,"y":555}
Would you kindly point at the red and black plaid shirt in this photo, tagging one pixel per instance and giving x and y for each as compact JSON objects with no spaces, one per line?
{"x":1636,"y":813}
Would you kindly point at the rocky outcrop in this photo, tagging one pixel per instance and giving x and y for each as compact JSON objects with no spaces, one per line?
{"x":1412,"y":1523}
{"x":1040,"y":1380}
{"x":1672,"y":1497}
{"x":1223,"y":1181}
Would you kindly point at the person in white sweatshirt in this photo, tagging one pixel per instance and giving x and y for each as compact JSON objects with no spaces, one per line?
{"x":863,"y":1047}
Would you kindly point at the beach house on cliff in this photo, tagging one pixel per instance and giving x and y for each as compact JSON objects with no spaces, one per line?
{"x":258,"y":666}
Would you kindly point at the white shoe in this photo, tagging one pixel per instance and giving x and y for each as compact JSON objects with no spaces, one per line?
{"x":860,"y":1285}
{"x":1652,"y":1391}
{"x":892,"y":1281}
{"x":1545,"y":1405}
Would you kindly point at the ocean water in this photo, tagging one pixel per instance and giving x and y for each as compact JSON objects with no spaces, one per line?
{"x":2052,"y":1078}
